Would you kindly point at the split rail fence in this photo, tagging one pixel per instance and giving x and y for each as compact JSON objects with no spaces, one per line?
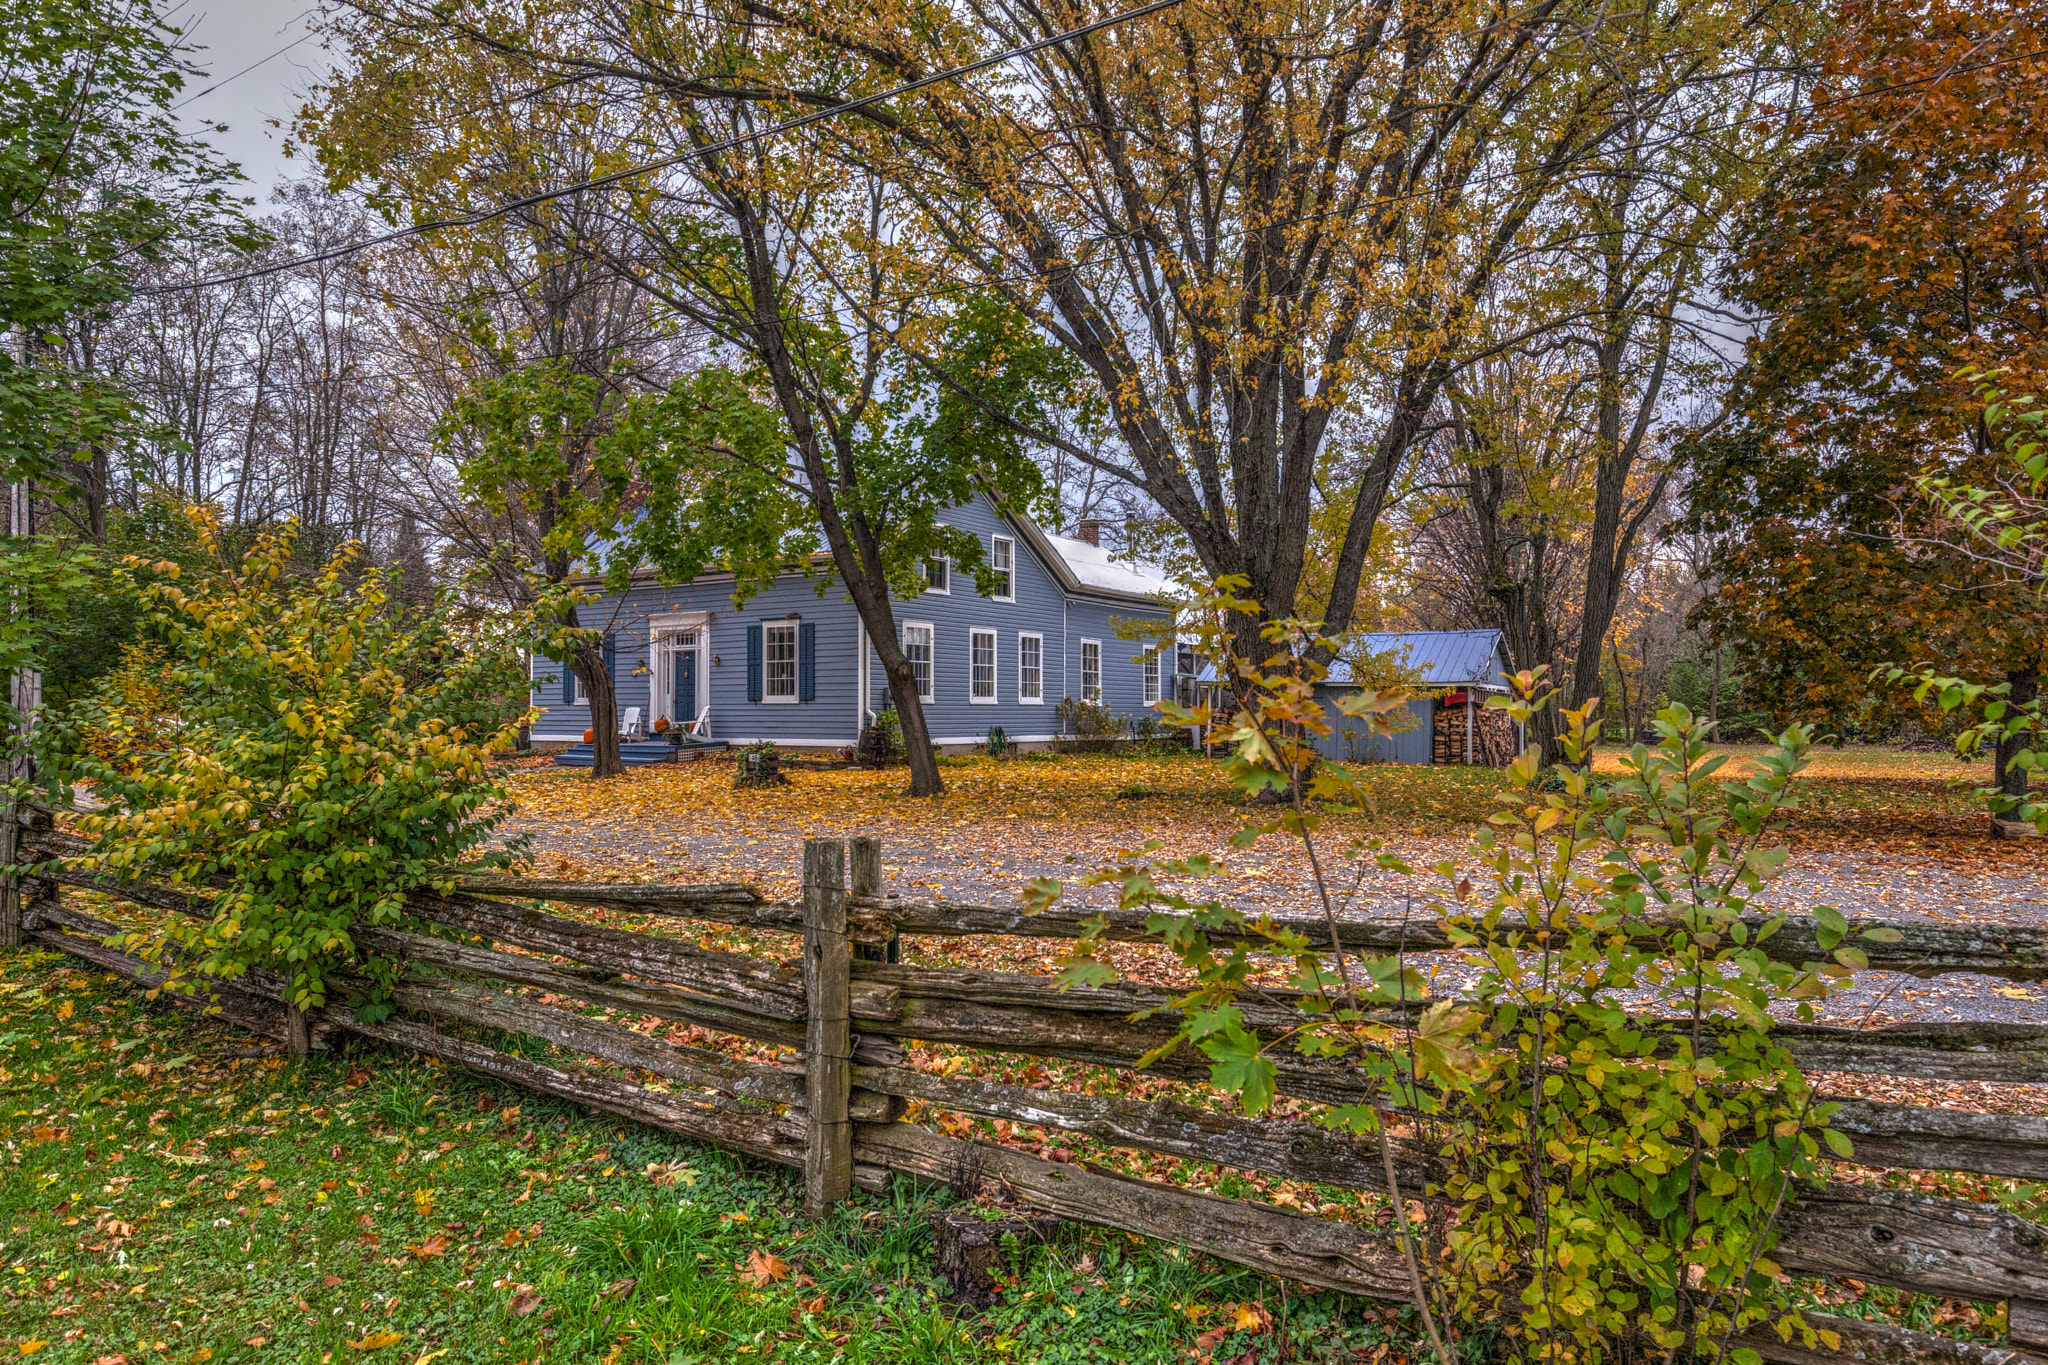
{"x":838,"y":1116}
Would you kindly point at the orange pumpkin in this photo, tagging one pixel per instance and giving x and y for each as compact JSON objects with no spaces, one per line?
{"x":589,"y":736}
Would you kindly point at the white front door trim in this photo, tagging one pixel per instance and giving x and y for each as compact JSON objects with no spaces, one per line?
{"x":661,"y":658}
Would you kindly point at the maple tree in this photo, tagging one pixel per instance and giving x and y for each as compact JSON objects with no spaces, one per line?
{"x":1267,"y":234}
{"x":556,"y":371}
{"x":96,"y":177}
{"x":894,"y":408}
{"x":1902,"y":244}
{"x":2002,"y":534}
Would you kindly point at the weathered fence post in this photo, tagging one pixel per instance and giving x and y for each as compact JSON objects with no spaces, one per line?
{"x":867,"y":885}
{"x":298,"y":1041}
{"x":828,"y":1032}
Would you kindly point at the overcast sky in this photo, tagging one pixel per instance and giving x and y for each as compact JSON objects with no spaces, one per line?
{"x":259,"y":63}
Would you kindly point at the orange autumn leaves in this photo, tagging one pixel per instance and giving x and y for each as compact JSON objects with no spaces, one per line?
{"x":765,"y":1268}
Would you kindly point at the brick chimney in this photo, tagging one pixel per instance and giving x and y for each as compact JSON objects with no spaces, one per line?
{"x":1089,"y":530}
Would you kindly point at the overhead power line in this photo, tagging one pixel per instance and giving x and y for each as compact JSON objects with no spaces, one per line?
{"x":695,"y":154}
{"x":599,"y":182}
{"x":253,"y":65}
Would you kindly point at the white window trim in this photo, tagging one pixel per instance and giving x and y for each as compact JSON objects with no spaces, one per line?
{"x":1023,"y":700}
{"x":796,"y":663}
{"x":995,"y":668}
{"x":994,"y":541}
{"x":1149,"y":679}
{"x":903,"y":643}
{"x":1081,"y":663}
{"x":946,"y":591}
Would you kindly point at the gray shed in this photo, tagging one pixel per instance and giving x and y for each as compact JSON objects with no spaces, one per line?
{"x":1470,"y":663}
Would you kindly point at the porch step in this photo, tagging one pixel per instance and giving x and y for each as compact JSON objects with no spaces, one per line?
{"x":634,"y":754}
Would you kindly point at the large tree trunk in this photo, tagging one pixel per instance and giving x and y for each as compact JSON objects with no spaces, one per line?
{"x":2012,"y":781}
{"x":872,"y":602}
{"x":1714,"y":697}
{"x":587,"y":663}
{"x":1520,"y":590}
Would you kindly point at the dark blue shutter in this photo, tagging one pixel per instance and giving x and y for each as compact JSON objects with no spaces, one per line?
{"x":807,"y":661}
{"x":611,"y":658}
{"x":753,"y":663}
{"x":568,"y":683}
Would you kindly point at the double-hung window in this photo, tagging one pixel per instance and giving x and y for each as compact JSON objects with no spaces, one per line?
{"x":1002,"y":562}
{"x":1151,"y":666}
{"x":779,"y":659}
{"x":938,"y":574}
{"x":917,"y":644}
{"x":1091,"y":670}
{"x":981,"y":661}
{"x":1031,"y":668}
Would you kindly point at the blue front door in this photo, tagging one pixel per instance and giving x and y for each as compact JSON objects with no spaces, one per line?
{"x":683,"y":702}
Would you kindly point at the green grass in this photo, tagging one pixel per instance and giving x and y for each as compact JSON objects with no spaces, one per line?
{"x":161,"y":1199}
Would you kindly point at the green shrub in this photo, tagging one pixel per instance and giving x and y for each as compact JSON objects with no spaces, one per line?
{"x":327,"y":755}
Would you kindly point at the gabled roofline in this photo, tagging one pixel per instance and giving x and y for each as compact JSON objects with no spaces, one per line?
{"x":1027,"y":529}
{"x":1050,"y":556}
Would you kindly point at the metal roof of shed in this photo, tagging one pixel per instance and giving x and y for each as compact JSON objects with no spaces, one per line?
{"x":1447,"y":658}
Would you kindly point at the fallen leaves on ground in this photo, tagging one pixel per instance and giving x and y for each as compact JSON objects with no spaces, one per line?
{"x":377,"y":1341}
{"x":765,"y":1267}
{"x":1251,"y":1317}
{"x":1872,"y":823}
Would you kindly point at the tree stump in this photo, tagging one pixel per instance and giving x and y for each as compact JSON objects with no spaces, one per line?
{"x":758,"y":765}
{"x":970,"y":1248}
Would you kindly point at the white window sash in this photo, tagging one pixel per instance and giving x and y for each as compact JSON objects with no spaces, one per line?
{"x":1091,"y":650}
{"x":1002,"y":554}
{"x":980,"y":691}
{"x":775,"y":670}
{"x":921,"y":633}
{"x":1031,"y":676}
{"x":1151,"y":667}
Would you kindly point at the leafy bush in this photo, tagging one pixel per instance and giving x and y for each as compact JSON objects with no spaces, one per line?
{"x":1601,"y":1187}
{"x":141,"y":709}
{"x":1088,"y":720}
{"x":326,"y":755}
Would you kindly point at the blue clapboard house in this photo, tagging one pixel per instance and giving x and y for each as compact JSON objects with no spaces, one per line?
{"x":797,"y":669}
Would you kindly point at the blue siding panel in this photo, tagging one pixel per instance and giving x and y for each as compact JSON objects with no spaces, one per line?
{"x":1352,"y":740}
{"x":831,"y":716}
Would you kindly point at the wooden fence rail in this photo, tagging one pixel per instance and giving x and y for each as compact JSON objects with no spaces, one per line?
{"x":836,"y":1114}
